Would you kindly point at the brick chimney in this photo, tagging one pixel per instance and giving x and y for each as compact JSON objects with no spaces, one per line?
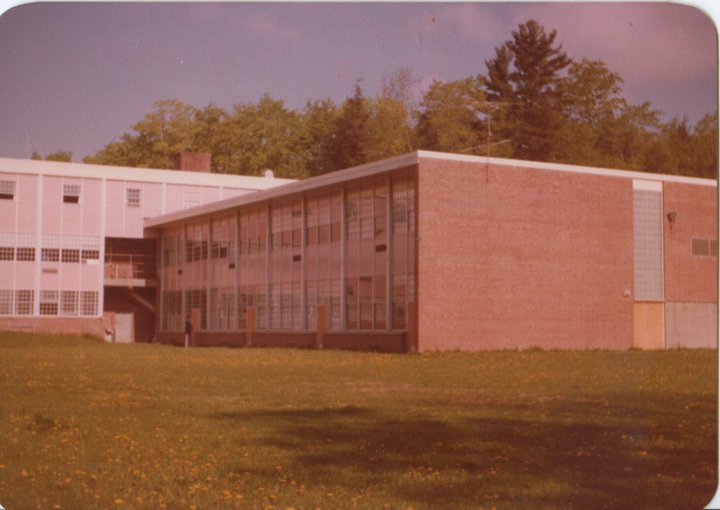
{"x":193,"y":162}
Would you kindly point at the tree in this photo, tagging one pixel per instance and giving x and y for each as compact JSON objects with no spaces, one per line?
{"x":525,"y":74}
{"x":705,"y":147}
{"x":262,"y":136}
{"x":352,"y":136}
{"x":319,"y":120}
{"x":592,"y":105}
{"x":63,"y":156}
{"x":450,"y":117}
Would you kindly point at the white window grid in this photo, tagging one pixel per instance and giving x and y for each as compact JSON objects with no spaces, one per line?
{"x":133,"y":197}
{"x":7,"y":239}
{"x":191,"y":198}
{"x":89,"y":303}
{"x":7,"y":187}
{"x":6,"y":301}
{"x":25,"y":239}
{"x":90,"y":242}
{"x":24,"y":300}
{"x":71,"y":190}
{"x":49,"y":302}
{"x":72,"y":242}
{"x":51,"y":241}
{"x":69,"y":302}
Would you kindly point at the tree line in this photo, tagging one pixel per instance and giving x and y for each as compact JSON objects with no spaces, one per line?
{"x":533,"y":102}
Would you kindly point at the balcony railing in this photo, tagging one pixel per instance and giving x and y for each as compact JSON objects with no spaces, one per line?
{"x":122,"y":266}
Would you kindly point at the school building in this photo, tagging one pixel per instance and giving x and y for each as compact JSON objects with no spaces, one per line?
{"x":423,"y":251}
{"x":73,"y":256}
{"x":430,"y":251}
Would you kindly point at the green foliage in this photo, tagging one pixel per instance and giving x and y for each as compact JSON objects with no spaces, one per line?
{"x":87,"y":424}
{"x":262,"y":136}
{"x":319,"y":120}
{"x":63,"y":156}
{"x":525,"y":75}
{"x":450,"y":117}
{"x":352,"y":132}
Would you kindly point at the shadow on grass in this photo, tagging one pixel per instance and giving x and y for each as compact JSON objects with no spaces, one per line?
{"x":492,"y":460}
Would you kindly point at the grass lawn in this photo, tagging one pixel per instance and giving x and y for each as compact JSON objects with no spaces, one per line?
{"x":92,"y":425}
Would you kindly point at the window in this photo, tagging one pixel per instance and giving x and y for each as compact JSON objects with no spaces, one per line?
{"x":133,"y":197}
{"x":71,"y":193}
{"x":26,"y":254}
{"x":50,"y":254}
{"x":48,"y":302}
{"x":7,"y":253}
{"x":7,"y":190}
{"x":6,"y":301}
{"x":89,"y":303}
{"x":70,"y":255}
{"x":24,"y":302}
{"x":704,"y":247}
{"x":191,"y":198}
{"x":69,"y":302}
{"x":90,"y":256}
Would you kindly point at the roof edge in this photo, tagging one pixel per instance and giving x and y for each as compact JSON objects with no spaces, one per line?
{"x":121,"y":173}
{"x":564,"y":167}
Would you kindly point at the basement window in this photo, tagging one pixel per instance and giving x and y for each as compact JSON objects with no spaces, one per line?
{"x":71,"y":193}
{"x":7,"y":190}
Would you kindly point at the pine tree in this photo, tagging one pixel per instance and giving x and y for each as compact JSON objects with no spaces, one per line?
{"x":525,"y":75}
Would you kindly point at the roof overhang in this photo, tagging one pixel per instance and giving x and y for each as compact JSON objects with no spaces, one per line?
{"x":397,"y":162}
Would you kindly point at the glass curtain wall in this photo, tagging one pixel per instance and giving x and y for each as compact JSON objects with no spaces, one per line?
{"x":351,"y":250}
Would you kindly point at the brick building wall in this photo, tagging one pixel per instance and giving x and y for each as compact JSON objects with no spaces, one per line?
{"x":510,"y":257}
{"x":690,"y":279}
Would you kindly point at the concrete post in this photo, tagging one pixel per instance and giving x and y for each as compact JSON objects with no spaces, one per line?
{"x":321,"y":325}
{"x":250,"y":314}
{"x":412,"y":327}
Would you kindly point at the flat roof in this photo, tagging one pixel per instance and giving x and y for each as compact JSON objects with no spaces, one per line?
{"x":151,"y":175}
{"x":397,"y":162}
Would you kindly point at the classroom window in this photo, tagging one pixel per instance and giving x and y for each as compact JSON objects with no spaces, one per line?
{"x":48,"y":302}
{"x":7,"y":190}
{"x":50,"y":254}
{"x":24,"y":302}
{"x":133,"y":197}
{"x":71,"y":193}
{"x":26,"y":254}
{"x":89,"y":303}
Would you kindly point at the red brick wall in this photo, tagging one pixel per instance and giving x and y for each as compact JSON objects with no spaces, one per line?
{"x":55,"y":325}
{"x":517,"y":258}
{"x":688,"y":278}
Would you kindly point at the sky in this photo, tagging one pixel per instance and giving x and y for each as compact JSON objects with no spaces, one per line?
{"x":76,"y":76}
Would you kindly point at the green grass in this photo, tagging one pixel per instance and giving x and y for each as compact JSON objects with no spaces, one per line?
{"x":91,"y":425}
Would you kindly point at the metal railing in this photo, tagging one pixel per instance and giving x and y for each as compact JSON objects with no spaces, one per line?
{"x":123,"y":266}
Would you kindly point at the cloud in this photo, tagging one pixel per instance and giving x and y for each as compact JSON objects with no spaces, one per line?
{"x":269,"y":27}
{"x":433,"y":23}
